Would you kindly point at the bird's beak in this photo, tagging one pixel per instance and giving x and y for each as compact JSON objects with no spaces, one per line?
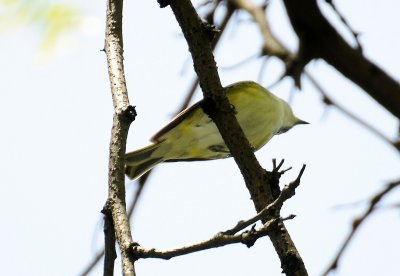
{"x":301,"y":122}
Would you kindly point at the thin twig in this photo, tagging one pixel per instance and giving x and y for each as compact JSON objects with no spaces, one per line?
{"x":329,"y":101}
{"x":358,"y":221}
{"x":93,"y":263}
{"x":138,"y":192}
{"x":344,"y":21}
{"x":241,"y":62}
{"x":272,"y":46}
{"x":262,"y":70}
{"x":248,"y":238}
{"x":287,"y":192}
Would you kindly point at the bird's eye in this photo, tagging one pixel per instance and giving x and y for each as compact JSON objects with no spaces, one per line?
{"x":282,"y":130}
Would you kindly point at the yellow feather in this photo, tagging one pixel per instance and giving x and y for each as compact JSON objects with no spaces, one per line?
{"x":192,"y":135}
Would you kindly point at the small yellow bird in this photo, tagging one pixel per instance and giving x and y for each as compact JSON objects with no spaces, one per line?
{"x":192,"y":135}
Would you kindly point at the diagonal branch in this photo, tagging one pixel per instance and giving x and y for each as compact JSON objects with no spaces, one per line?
{"x":358,"y":221}
{"x":272,"y":46}
{"x":319,"y":39}
{"x":219,"y":108}
{"x":294,"y":63}
{"x":257,"y":180}
{"x":214,"y":43}
{"x":329,"y":101}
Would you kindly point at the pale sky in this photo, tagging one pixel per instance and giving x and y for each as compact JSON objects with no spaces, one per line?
{"x":57,"y":115}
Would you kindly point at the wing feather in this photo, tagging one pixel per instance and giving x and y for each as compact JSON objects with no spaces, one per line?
{"x":176,"y":121}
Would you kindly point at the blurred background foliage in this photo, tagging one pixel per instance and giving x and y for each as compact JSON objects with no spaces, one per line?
{"x":51,"y":19}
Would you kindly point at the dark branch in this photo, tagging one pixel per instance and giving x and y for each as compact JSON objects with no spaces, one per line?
{"x":319,"y":39}
{"x":294,"y":67}
{"x":214,"y":44}
{"x":109,"y":244}
{"x":256,"y":178}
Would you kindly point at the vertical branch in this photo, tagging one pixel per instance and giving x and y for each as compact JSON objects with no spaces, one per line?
{"x":114,"y":51}
{"x":124,"y":114}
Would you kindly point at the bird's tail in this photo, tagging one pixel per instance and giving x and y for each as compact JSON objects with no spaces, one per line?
{"x":140,"y":161}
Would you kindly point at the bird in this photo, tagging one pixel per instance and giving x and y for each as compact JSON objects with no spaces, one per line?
{"x":193,"y":136}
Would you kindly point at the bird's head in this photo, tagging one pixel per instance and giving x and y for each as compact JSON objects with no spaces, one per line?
{"x":289,"y":120}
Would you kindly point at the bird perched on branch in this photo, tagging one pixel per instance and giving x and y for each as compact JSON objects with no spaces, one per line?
{"x":192,"y":135}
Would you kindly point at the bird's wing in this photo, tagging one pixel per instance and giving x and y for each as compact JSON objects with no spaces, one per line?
{"x":176,"y":121}
{"x":187,"y":112}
